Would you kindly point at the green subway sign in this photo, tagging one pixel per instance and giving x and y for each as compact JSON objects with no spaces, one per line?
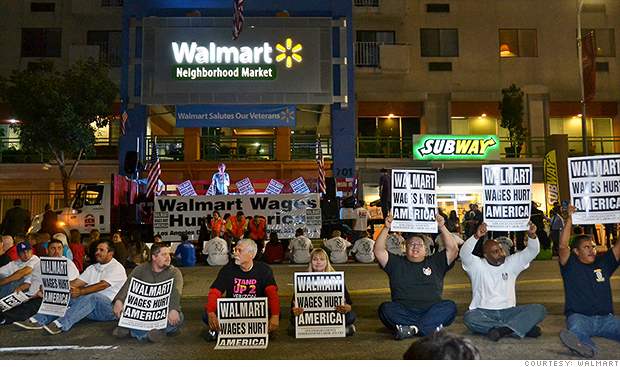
{"x":427,"y":147}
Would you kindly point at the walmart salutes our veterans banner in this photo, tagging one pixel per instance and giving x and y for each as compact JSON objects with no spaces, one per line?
{"x":244,"y":323}
{"x":507,"y":196}
{"x":414,"y":201}
{"x":56,"y":286}
{"x":595,"y":189}
{"x":146,"y":306}
{"x":318,"y":294}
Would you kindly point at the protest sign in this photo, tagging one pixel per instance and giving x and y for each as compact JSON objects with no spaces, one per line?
{"x":146,"y":305}
{"x":186,"y":189}
{"x":299,"y":186}
{"x":595,"y":189}
{"x":414,"y":203}
{"x":245,"y":187}
{"x":56,"y":286}
{"x":244,"y":323}
{"x":211,"y":190}
{"x":12,"y":300}
{"x":318,"y":294}
{"x":507,"y":196}
{"x":274,"y":187}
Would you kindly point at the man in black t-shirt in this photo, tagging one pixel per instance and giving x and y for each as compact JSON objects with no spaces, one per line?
{"x":589,"y":308}
{"x":416,"y":283}
{"x":243,"y":279}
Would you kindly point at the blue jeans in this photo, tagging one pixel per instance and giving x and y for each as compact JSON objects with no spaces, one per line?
{"x":93,"y":306}
{"x":587,"y":326}
{"x":142,"y":334}
{"x":9,"y":288}
{"x":520,"y":319}
{"x":425,"y":319}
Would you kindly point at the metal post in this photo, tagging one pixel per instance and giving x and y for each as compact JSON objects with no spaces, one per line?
{"x":584,"y":130}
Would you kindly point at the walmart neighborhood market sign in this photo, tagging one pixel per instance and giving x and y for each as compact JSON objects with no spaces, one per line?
{"x":470,"y":147}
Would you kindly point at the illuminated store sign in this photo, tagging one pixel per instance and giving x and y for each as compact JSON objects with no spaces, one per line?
{"x":455,"y":147}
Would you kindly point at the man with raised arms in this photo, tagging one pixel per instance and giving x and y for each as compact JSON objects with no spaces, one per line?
{"x":416,"y":284}
{"x":493,"y":309}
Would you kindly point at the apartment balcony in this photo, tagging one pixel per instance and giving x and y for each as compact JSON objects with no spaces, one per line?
{"x":381,"y":58}
{"x":384,"y":9}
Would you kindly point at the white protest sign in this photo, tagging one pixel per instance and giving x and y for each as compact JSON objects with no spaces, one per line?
{"x":299,"y":186}
{"x":414,"y":201}
{"x":146,"y":305}
{"x":211,"y":190}
{"x":274,"y":187}
{"x":245,"y":187}
{"x":186,"y":189}
{"x":507,"y":196}
{"x":244,"y":323}
{"x":12,"y":300}
{"x":56,"y":286}
{"x":318,"y":294}
{"x":595,"y":189}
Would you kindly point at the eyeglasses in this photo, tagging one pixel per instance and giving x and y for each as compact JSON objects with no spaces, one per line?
{"x":416,"y":244}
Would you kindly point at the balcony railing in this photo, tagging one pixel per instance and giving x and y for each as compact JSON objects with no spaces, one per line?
{"x":366,"y":3}
{"x":109,"y":52}
{"x":111,"y":3}
{"x":367,"y":54}
{"x":11,"y":151}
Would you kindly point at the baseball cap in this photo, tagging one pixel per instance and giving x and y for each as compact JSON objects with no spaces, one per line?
{"x":23,"y":246}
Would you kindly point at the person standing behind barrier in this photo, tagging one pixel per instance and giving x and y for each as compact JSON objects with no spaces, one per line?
{"x":300,"y":247}
{"x":221,"y":180}
{"x":557,"y":224}
{"x":385,"y":192}
{"x":50,"y":221}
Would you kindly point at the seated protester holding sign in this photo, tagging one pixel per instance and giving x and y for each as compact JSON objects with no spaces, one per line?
{"x":589,"y":307}
{"x":32,"y":288}
{"x":319,"y":262}
{"x":156,"y":270}
{"x":416,"y":284}
{"x":91,"y":294}
{"x":12,"y":275}
{"x":493,"y":309}
{"x":232,"y":280}
{"x":363,"y":248}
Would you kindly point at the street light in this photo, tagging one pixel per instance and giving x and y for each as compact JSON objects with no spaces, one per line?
{"x":584,"y":130}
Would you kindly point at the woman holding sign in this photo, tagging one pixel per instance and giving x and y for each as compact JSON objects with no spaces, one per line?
{"x":319,"y":262}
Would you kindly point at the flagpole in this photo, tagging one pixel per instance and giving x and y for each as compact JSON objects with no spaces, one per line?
{"x":584,"y":130}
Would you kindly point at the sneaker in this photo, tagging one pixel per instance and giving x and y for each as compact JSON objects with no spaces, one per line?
{"x":211,"y":335}
{"x":52,"y":328}
{"x":405,"y":331}
{"x":2,"y":319}
{"x":349,"y":330}
{"x":572,"y":342}
{"x":156,"y":335}
{"x":534,"y":332}
{"x":28,"y":325}
{"x":121,"y":332}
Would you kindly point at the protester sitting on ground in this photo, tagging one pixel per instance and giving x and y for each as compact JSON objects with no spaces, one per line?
{"x":94,"y":236}
{"x":493,"y":309}
{"x":44,"y":239}
{"x":121,"y":248}
{"x":13,"y":274}
{"x":34,"y":239}
{"x":274,"y":250}
{"x":589,"y":307}
{"x":243,"y":269}
{"x":157,"y":270}
{"x":136,"y":251}
{"x":32,"y":288}
{"x":215,"y":250}
{"x":319,"y":262}
{"x":416,"y":284}
{"x":300,"y":247}
{"x":394,"y":244}
{"x":76,"y":247}
{"x":7,"y":247}
{"x":363,"y":248}
{"x":440,"y":245}
{"x":235,"y":228}
{"x":337,"y":248}
{"x":66,"y":251}
{"x":442,"y":345}
{"x":91,"y":294}
{"x":185,"y":254}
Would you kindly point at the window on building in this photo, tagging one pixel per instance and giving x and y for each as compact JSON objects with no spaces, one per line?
{"x":109,"y":43}
{"x":437,"y":8}
{"x":41,"y":42}
{"x":111,"y":3}
{"x":439,"y":42}
{"x":367,"y":46}
{"x":518,"y":43}
{"x":604,"y":41}
{"x":42,"y":7}
{"x":593,"y":8}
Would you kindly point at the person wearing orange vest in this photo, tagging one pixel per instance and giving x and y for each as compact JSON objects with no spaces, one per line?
{"x":217,"y":223}
{"x":235,"y":228}
{"x":257,"y":233}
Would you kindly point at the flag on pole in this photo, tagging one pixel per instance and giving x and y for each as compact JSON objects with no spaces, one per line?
{"x":124,"y":118}
{"x":154,"y":171}
{"x":320,"y":184}
{"x":237,"y":18}
{"x":589,"y":67}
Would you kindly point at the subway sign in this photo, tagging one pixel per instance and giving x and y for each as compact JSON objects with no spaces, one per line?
{"x":433,"y":147}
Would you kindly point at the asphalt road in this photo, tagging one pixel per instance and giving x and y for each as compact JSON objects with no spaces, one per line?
{"x":368,"y":286}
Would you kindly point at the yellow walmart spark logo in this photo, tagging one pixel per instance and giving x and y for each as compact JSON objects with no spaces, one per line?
{"x":289,"y":115}
{"x":289,"y":52}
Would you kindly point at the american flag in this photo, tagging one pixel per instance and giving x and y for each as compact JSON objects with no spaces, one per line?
{"x":320,"y":184}
{"x":154,"y":169}
{"x":124,"y":119}
{"x":237,"y":18}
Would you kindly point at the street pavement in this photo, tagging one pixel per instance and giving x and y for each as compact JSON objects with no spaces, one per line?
{"x":368,"y":286}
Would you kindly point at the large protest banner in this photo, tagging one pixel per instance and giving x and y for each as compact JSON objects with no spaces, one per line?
{"x":244,"y":323}
{"x":595,"y":189}
{"x":414,"y":201}
{"x":177,"y":215}
{"x":318,"y":294}
{"x":56,"y":286}
{"x":12,"y":300}
{"x":146,"y":305}
{"x":507,"y":196}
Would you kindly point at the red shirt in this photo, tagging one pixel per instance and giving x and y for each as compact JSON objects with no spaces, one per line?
{"x":78,"y":255}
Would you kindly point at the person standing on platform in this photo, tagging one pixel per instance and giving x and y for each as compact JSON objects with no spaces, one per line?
{"x":385,"y":192}
{"x":221,"y":180}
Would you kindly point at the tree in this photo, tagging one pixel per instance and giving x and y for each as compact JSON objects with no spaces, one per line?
{"x":59,"y":112}
{"x":511,"y":108}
